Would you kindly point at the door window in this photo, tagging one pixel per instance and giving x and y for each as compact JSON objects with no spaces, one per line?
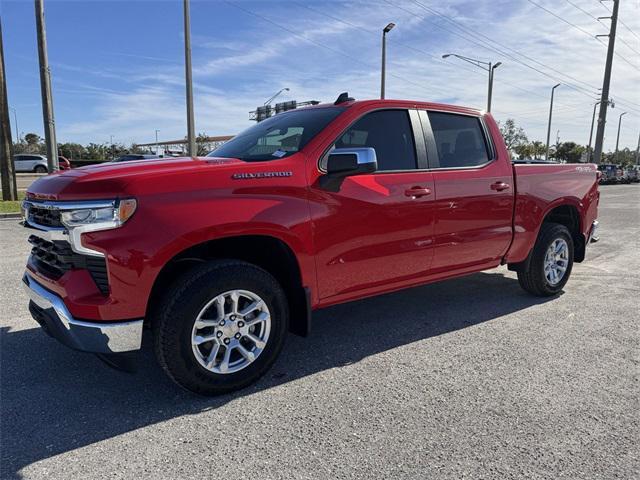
{"x":459,"y":139}
{"x":389,"y":133}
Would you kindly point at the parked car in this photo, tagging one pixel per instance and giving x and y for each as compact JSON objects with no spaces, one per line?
{"x":630,"y":174}
{"x":135,"y":156}
{"x":28,"y":162}
{"x":609,"y":173}
{"x":223,"y":255}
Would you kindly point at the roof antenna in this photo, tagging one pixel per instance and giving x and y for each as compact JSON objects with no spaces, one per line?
{"x":343,"y":97}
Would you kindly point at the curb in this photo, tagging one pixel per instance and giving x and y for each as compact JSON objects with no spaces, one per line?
{"x":10,"y":216}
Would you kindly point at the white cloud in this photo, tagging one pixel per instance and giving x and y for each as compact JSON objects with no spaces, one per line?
{"x":318,"y":57}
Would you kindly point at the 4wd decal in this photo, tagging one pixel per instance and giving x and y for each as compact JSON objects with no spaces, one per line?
{"x":242,"y":176}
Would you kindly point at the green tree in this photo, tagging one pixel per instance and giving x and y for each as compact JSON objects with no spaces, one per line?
{"x":34,"y":144}
{"x":569,"y":152}
{"x":513,"y":135}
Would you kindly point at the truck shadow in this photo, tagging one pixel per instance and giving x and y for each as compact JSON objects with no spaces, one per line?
{"x":55,"y":400}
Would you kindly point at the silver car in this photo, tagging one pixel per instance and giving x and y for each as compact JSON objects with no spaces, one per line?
{"x":27,"y":162}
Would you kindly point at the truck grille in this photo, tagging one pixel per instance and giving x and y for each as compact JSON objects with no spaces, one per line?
{"x":44,"y":216}
{"x":54,"y":259}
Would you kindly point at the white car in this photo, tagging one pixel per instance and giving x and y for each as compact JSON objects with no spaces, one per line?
{"x":26,"y":162}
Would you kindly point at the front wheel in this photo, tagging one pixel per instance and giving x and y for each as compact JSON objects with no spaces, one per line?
{"x":551,"y":261}
{"x":40,"y":169}
{"x":220,"y":327}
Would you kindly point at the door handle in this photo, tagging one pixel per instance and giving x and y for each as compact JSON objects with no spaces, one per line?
{"x":500,"y":186}
{"x":416,"y":192}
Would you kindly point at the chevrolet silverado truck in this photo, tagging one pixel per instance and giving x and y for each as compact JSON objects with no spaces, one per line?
{"x":221,"y":256}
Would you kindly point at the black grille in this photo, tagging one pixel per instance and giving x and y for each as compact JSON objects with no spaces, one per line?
{"x":54,"y":259}
{"x":44,"y":216}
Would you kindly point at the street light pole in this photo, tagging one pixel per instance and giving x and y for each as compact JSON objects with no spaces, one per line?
{"x":385,"y":30}
{"x":593,"y":120}
{"x":490,"y":93}
{"x":618,"y":137}
{"x":191,"y":134}
{"x":546,"y":155}
{"x":157,"y":141}
{"x":638,"y":151}
{"x":488,"y":66}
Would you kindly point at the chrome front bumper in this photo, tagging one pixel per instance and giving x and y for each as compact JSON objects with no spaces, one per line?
{"x":53,"y":316}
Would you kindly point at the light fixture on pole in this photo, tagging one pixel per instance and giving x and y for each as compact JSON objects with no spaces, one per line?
{"x":273,"y":97}
{"x":488,"y":66}
{"x":618,"y":136}
{"x":546,"y":155}
{"x":383,"y":72}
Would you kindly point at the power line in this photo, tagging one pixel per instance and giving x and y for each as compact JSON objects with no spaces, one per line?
{"x":619,"y":21}
{"x":319,"y":44}
{"x":598,"y":20}
{"x":410,"y":47}
{"x":581,"y":9}
{"x":583,"y":31}
{"x":586,"y":91}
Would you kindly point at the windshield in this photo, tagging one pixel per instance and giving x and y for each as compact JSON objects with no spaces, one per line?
{"x":278,"y":136}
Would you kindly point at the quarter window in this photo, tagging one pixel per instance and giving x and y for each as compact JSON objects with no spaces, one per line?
{"x":459,"y":140}
{"x":389,"y":133}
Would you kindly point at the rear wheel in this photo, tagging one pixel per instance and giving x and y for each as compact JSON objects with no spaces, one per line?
{"x":551,"y":261}
{"x":40,"y":169}
{"x":220,"y":327}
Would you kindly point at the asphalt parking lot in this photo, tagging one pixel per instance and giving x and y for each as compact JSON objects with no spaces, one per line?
{"x":470,"y":378}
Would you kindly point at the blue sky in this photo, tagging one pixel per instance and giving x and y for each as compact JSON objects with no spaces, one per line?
{"x":117,"y":66}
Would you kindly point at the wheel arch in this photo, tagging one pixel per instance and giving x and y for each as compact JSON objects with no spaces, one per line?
{"x":565,"y":213}
{"x":267,"y":252}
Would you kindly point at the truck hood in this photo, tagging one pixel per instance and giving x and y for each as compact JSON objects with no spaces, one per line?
{"x":115,"y":179}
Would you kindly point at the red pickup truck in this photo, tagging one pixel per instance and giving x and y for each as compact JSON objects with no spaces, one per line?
{"x":221,"y":256}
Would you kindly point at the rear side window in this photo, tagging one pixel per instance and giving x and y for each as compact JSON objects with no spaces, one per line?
{"x":389,"y":133}
{"x":459,"y":139}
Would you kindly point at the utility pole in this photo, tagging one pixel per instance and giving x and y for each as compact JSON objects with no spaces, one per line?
{"x":7,"y":172}
{"x":385,"y":30}
{"x":638,"y":151}
{"x":157,"y":141}
{"x":191,"y":134}
{"x":618,"y":136}
{"x":602,"y":116}
{"x":45,"y":87}
{"x":546,"y":155}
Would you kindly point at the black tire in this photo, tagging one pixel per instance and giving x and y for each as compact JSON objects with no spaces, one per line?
{"x":40,"y":169}
{"x":534,"y":280}
{"x":173,"y":322}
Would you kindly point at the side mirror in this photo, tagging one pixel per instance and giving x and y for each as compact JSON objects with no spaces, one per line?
{"x":345,"y":162}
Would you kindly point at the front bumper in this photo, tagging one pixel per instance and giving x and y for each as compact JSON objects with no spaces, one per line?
{"x":53,"y":316}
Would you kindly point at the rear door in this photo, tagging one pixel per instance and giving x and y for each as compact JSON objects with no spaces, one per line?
{"x":23,"y":163}
{"x":474,"y":193}
{"x":374,"y":230}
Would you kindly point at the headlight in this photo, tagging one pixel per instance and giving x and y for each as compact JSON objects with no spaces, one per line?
{"x":94,"y":217}
{"x":99,"y":217}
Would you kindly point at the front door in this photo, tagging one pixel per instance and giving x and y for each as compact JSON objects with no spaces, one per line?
{"x":378,"y":228}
